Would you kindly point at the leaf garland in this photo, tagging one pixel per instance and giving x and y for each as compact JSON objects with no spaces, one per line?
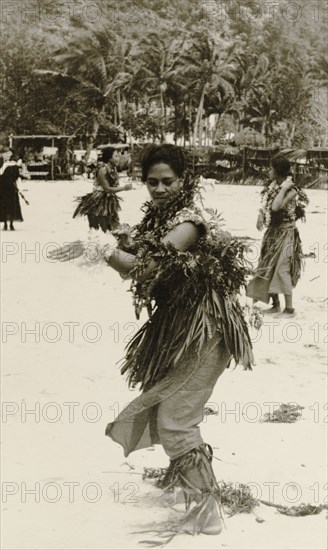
{"x":294,"y":210}
{"x":190,"y":296}
{"x":216,"y":262}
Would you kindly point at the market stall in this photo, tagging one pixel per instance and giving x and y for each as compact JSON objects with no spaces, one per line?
{"x":43,"y":156}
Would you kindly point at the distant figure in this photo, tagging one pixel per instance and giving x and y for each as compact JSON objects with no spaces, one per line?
{"x":11,"y":161}
{"x":103,"y":205}
{"x":281,"y":256}
{"x":10,"y":209}
{"x":83,"y":166}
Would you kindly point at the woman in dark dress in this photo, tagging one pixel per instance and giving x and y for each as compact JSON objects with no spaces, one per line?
{"x":10,"y":209}
{"x":103,"y":205}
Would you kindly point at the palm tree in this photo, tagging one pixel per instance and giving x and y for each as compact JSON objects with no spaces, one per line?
{"x":319,"y":74}
{"x":251,"y":98}
{"x":209,"y":73}
{"x":156,"y":74}
{"x":93,"y":61}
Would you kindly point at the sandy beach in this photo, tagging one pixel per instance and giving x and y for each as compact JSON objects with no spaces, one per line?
{"x":65,"y":486}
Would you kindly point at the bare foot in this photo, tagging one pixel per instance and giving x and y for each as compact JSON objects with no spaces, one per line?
{"x":286,"y":314}
{"x":271,"y":310}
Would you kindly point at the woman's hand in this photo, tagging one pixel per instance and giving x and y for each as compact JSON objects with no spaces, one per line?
{"x":123,"y":235}
{"x":286,"y":194}
{"x":260,"y":222}
{"x":67,"y":252}
{"x":128,"y":187}
{"x":287,"y":185}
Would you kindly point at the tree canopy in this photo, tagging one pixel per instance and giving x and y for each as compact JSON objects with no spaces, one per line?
{"x":149,"y":68}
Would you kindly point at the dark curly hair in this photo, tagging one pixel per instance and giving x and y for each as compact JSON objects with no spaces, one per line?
{"x":108,"y":153}
{"x":281,"y":166}
{"x":166,"y":153}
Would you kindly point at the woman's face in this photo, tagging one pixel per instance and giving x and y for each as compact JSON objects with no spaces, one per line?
{"x":162,"y":183}
{"x":115,"y":158}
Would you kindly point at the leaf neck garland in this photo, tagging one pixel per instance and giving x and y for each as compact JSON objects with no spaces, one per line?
{"x":294,"y":210}
{"x":190,"y":297}
{"x":155,"y":219}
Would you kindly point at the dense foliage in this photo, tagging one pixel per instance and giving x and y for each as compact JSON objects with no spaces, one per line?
{"x":194,"y":69}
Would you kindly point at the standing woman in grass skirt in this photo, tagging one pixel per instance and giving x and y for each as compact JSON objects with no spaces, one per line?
{"x":103,"y":205}
{"x":281,"y":259}
{"x":187,"y":273}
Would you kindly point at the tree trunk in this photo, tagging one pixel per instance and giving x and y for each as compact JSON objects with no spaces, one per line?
{"x":215,"y":131}
{"x":119,"y":107}
{"x":198,"y":119}
{"x":175,"y":123}
{"x":292,"y":134}
{"x":185,"y":123}
{"x":208,"y":131}
{"x":162,"y":117}
{"x":92,"y":138}
{"x":264,"y":131}
{"x":115,"y":116}
{"x":190,"y":124}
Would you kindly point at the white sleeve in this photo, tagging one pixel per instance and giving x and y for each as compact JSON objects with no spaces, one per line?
{"x":3,"y":167}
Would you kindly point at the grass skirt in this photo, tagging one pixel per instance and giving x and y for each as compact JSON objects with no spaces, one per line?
{"x":159,"y":345}
{"x":101,"y":208}
{"x":280,"y":265}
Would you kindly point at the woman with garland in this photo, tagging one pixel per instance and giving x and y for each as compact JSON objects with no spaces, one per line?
{"x":187,"y":272}
{"x":103,"y":205}
{"x":281,"y":258}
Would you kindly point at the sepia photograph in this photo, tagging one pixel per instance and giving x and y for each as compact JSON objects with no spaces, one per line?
{"x":164,"y":255}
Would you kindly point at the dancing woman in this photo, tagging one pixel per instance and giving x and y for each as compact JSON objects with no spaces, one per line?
{"x":103,"y":205}
{"x":187,"y":272}
{"x":281,"y":257}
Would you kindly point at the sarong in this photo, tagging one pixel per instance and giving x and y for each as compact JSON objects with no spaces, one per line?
{"x":280,"y":263}
{"x":170,"y":412}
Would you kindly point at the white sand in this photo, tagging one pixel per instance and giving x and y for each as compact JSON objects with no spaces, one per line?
{"x":49,"y":370}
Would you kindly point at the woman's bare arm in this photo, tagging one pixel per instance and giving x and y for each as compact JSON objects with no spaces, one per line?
{"x":101,"y":177}
{"x":183,"y":236}
{"x":286,"y":194}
